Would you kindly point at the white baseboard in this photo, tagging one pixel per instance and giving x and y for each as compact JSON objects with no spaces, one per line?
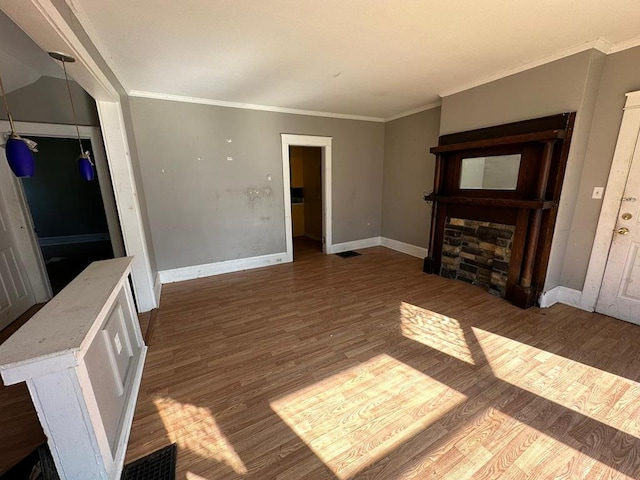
{"x":73,"y":239}
{"x":402,"y":247}
{"x":218,"y":268}
{"x":157,"y":288}
{"x":354,"y":245}
{"x":568,"y":296}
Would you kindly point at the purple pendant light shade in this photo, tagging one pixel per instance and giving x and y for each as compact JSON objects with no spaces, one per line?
{"x":85,"y":165}
{"x":20,"y":157}
{"x":18,"y":149}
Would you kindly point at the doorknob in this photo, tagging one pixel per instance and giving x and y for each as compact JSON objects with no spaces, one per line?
{"x":622,"y":230}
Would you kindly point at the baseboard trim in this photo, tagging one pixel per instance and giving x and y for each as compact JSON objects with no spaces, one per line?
{"x":157,"y":289}
{"x":218,"y":268}
{"x":73,"y":239}
{"x":402,"y":247}
{"x":568,"y":296}
{"x":313,"y":237}
{"x":354,"y":245}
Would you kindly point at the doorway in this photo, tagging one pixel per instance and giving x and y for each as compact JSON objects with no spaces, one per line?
{"x":61,"y":222}
{"x":306,"y":162}
{"x":305,"y":174}
{"x":68,"y":213}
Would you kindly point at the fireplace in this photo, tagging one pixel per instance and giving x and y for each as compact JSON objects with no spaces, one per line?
{"x":494,"y":205}
{"x":477,"y":253}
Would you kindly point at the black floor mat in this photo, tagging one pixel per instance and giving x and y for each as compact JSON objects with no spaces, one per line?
{"x":348,"y":254}
{"x":159,"y":465}
{"x":38,"y":465}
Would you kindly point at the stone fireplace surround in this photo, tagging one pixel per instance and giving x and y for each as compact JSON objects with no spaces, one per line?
{"x":478,"y":253}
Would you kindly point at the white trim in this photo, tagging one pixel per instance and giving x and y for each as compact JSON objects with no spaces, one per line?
{"x":52,"y":31}
{"x":627,"y":143}
{"x":327,"y":210}
{"x":92,"y":33}
{"x":565,"y":295}
{"x":429,"y":106}
{"x":72,"y":239}
{"x":402,"y":247}
{"x":603,"y":45}
{"x":248,"y":106}
{"x":157,"y":287}
{"x":355,"y":245}
{"x":627,"y":44}
{"x":600,"y":44}
{"x":218,"y":268}
{"x":124,"y":188}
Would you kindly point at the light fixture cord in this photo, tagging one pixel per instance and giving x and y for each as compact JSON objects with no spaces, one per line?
{"x":6,"y":107}
{"x":73,"y":109}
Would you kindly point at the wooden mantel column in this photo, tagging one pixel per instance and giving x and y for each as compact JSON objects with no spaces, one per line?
{"x":524,"y":295}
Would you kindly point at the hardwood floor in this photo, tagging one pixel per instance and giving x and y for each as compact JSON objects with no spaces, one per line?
{"x":366,"y":368}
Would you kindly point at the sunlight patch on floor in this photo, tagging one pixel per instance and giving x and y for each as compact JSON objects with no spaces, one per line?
{"x":362,"y":414}
{"x":434,"y":330}
{"x":195,"y":429}
{"x":488,"y":447}
{"x":561,"y":380}
{"x":193,"y":476}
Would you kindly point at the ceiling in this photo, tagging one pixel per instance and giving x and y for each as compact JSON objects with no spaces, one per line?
{"x":373,"y":58}
{"x":22,"y":62}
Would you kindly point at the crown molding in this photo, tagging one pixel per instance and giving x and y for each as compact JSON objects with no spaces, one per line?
{"x":249,"y":106}
{"x":429,"y":106}
{"x":601,"y":44}
{"x":626,"y":45}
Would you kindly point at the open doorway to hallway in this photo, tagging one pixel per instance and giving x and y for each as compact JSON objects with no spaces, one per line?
{"x":68,"y":213}
{"x":305,"y":173}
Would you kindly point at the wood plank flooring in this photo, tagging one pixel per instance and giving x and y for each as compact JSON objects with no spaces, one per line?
{"x":365,"y":368}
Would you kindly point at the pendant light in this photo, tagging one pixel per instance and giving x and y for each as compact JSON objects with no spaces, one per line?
{"x":19,"y":150}
{"x":85,"y":165}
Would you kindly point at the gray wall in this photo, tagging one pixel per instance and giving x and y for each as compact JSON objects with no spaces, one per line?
{"x":621,"y":75}
{"x":212,"y":210}
{"x":47,"y":101}
{"x":408,"y":173}
{"x":569,"y":84}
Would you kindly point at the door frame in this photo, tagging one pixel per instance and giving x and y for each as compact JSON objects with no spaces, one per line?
{"x":95,"y":138}
{"x":325,"y":143}
{"x":55,"y":26}
{"x":627,"y":146}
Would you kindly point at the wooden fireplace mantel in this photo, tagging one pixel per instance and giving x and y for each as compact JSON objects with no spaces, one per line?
{"x":531,"y":207}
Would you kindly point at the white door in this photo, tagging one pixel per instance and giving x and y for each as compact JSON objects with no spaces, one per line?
{"x":620,"y":293}
{"x":16,"y":295}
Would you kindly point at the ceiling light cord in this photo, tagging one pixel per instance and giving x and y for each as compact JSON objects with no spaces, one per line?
{"x":73,"y":108}
{"x":6,"y":107}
